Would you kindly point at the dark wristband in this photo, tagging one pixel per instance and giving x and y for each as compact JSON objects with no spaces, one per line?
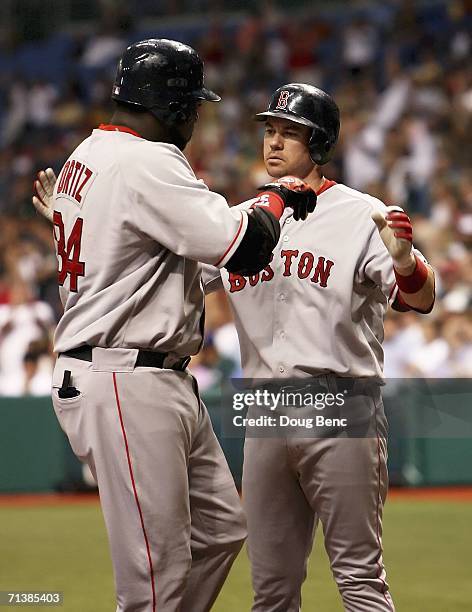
{"x":414,"y":281}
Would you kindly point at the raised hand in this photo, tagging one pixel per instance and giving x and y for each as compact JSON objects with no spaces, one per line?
{"x":43,"y":189}
{"x":396,"y":232}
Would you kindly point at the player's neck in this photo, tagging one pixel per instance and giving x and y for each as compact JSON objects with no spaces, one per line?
{"x":142,"y":123}
{"x":314,"y":178}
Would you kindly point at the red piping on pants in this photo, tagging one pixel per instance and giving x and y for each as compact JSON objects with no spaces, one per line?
{"x":128,"y":456}
{"x":384,"y":590}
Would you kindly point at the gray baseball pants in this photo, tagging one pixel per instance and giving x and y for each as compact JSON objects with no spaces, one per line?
{"x":172,"y":512}
{"x":291,"y":482}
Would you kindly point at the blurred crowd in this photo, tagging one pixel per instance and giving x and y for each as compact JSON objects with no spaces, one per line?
{"x":401,"y":74}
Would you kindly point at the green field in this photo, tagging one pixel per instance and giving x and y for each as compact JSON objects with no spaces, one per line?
{"x":427,"y":550}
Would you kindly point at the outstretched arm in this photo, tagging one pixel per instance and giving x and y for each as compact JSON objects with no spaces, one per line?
{"x":262,"y":231}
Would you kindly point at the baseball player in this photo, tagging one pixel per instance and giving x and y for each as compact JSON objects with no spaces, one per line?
{"x":131,"y":222}
{"x":317,"y":311}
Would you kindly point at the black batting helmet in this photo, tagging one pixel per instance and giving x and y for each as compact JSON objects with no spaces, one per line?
{"x":309,"y":106}
{"x":162,"y":76}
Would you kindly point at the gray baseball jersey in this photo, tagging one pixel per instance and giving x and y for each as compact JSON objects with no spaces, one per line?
{"x":129,"y":215}
{"x":319,"y":305}
{"x":131,"y":222}
{"x":317,"y":310}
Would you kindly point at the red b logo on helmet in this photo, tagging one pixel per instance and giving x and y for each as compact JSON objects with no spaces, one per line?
{"x":283,"y":100}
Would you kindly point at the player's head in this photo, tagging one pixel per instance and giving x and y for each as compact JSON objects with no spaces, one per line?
{"x":165,"y":78}
{"x":302,"y":128}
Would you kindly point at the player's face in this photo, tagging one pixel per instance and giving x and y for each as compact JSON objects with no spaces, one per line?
{"x":286,"y":148}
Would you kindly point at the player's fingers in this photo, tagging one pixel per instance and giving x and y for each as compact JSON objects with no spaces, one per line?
{"x":51,"y":175}
{"x":42,"y":209}
{"x":404,"y":235}
{"x":379,"y":220}
{"x":393,"y":209}
{"x":51,"y":180}
{"x":38,"y":204}
{"x":398,"y":217}
{"x":398,"y":224}
{"x":41,"y":178}
{"x":38,"y":187}
{"x":45,"y":183}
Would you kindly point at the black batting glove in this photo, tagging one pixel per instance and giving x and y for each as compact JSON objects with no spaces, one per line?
{"x":294,"y":193}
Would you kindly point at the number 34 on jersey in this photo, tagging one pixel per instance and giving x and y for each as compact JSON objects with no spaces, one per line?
{"x":73,"y":184}
{"x":68,"y":251}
